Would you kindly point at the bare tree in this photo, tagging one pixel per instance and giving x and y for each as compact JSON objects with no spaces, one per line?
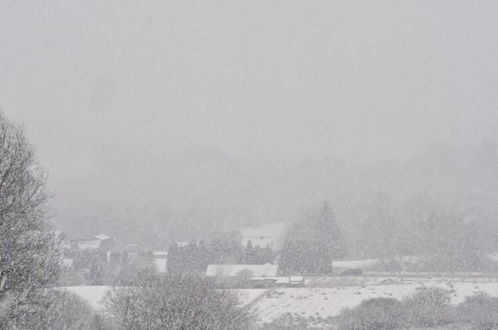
{"x":28,"y":254}
{"x":175,"y":302}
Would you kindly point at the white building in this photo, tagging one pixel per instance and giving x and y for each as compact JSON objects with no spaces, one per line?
{"x":266,"y":270}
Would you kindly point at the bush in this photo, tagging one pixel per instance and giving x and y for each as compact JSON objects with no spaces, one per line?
{"x":428,"y":308}
{"x":373,"y":314}
{"x":288,"y":321}
{"x":54,"y":309}
{"x":69,"y":311}
{"x":481,"y":311}
{"x":175,"y":302}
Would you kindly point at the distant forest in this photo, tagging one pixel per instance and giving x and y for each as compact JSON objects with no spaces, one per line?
{"x":193,"y":195}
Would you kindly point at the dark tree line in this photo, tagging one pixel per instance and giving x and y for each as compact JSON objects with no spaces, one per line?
{"x":440,"y":240}
{"x":196,"y":256}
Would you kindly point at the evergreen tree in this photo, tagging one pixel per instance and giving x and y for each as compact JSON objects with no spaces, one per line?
{"x":311,"y":245}
{"x":249,"y":254}
{"x":327,"y":232}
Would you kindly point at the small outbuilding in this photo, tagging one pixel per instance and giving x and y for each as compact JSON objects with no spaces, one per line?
{"x":266,"y":270}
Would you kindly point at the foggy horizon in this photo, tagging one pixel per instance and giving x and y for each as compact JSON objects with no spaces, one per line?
{"x":347,"y":79}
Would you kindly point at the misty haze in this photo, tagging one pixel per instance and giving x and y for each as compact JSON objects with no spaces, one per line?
{"x":249,"y":165}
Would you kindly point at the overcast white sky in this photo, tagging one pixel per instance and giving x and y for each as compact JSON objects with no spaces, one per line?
{"x":356,"y":79}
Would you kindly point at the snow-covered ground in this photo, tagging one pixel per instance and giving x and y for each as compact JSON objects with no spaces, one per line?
{"x":326,"y":297}
{"x":91,"y":294}
{"x":330,"y":301}
{"x":251,"y":296}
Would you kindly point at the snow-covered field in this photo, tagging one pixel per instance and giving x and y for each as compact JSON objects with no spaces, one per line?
{"x":326,"y":297}
{"x":327,"y":302}
{"x":91,"y":294}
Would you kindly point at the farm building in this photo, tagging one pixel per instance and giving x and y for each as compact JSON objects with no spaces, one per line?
{"x":97,"y":242}
{"x":266,"y":270}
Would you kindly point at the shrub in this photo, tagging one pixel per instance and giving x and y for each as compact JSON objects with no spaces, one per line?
{"x":373,"y":314}
{"x":428,"y":308}
{"x":288,"y":321}
{"x":54,"y":309}
{"x":481,"y":311}
{"x":175,"y":302}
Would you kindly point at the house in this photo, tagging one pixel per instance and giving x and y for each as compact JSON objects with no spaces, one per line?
{"x":353,"y":267}
{"x":186,"y":243}
{"x":67,"y":263}
{"x":160,"y":261}
{"x":97,"y":242}
{"x":261,"y":276}
{"x":140,"y":259}
{"x":282,"y":281}
{"x":266,"y":270}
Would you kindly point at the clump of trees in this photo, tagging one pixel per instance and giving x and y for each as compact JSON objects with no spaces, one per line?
{"x":57,"y":310}
{"x":224,"y":248}
{"x":441,"y":238}
{"x":376,"y":313}
{"x":175,"y":302}
{"x":452,"y":244}
{"x":481,"y":311}
{"x":192,"y":258}
{"x":29,"y":258}
{"x":94,"y":267}
{"x":257,"y":255}
{"x":312,"y":244}
{"x":428,"y":308}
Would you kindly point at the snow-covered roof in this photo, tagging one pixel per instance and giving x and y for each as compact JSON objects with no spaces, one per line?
{"x":183,"y":243}
{"x":67,"y":262}
{"x":93,"y":243}
{"x":233,"y":270}
{"x":355,"y":264}
{"x":102,"y":237}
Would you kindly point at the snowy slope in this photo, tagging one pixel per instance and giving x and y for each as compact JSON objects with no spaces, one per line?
{"x":91,"y":294}
{"x":328,"y":302}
